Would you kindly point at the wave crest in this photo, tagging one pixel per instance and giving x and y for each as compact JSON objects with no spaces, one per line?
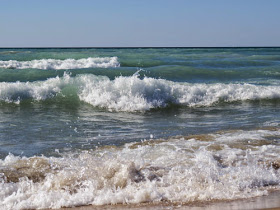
{"x":18,"y":91}
{"x":135,"y":94}
{"x":56,"y":64}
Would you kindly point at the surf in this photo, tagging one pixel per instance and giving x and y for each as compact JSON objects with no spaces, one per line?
{"x":56,"y":64}
{"x":132,"y":93}
{"x":178,"y":170}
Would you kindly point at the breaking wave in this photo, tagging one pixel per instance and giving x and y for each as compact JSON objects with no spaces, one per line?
{"x":135,"y":94}
{"x":104,"y":62}
{"x":179,"y":170}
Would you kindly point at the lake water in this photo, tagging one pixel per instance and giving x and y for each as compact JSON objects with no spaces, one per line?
{"x":133,"y":125}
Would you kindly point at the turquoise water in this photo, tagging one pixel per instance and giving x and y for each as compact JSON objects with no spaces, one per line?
{"x":99,"y":108}
{"x":176,"y":64}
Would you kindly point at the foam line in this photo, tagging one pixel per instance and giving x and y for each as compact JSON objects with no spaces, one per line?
{"x":134,"y":94}
{"x":56,"y":64}
{"x":180,"y":170}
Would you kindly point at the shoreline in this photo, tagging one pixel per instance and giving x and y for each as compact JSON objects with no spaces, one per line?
{"x":268,"y":202}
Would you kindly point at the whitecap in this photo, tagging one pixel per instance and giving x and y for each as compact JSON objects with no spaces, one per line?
{"x":132,"y":93}
{"x":98,"y":62}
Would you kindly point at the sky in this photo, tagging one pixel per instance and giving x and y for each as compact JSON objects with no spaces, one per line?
{"x":139,"y":23}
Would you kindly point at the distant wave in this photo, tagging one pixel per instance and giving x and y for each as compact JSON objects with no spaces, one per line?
{"x":134,"y":94}
{"x":98,"y":62}
{"x":11,"y":52}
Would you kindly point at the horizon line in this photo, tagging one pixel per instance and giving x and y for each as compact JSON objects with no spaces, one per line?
{"x":134,"y":47}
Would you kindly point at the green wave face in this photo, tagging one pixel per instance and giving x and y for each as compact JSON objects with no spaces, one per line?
{"x":159,"y":77}
{"x":133,"y":93}
{"x":178,"y":64}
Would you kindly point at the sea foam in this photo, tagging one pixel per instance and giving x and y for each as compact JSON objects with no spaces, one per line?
{"x":97,"y":62}
{"x":178,"y":170}
{"x":135,"y":94}
{"x":18,"y":91}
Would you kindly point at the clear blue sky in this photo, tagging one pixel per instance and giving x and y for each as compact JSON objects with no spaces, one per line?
{"x":126,"y":23}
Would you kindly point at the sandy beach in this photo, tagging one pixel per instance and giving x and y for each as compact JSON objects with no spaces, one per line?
{"x":269,"y":202}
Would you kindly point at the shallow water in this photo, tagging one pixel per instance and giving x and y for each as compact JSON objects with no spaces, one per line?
{"x":108,"y":126}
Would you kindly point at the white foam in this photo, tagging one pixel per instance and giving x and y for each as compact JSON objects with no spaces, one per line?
{"x":98,"y":62}
{"x":18,"y":91}
{"x":178,"y":170}
{"x":135,"y":94}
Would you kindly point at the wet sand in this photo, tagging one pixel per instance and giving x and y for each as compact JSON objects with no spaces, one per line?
{"x":269,"y":202}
